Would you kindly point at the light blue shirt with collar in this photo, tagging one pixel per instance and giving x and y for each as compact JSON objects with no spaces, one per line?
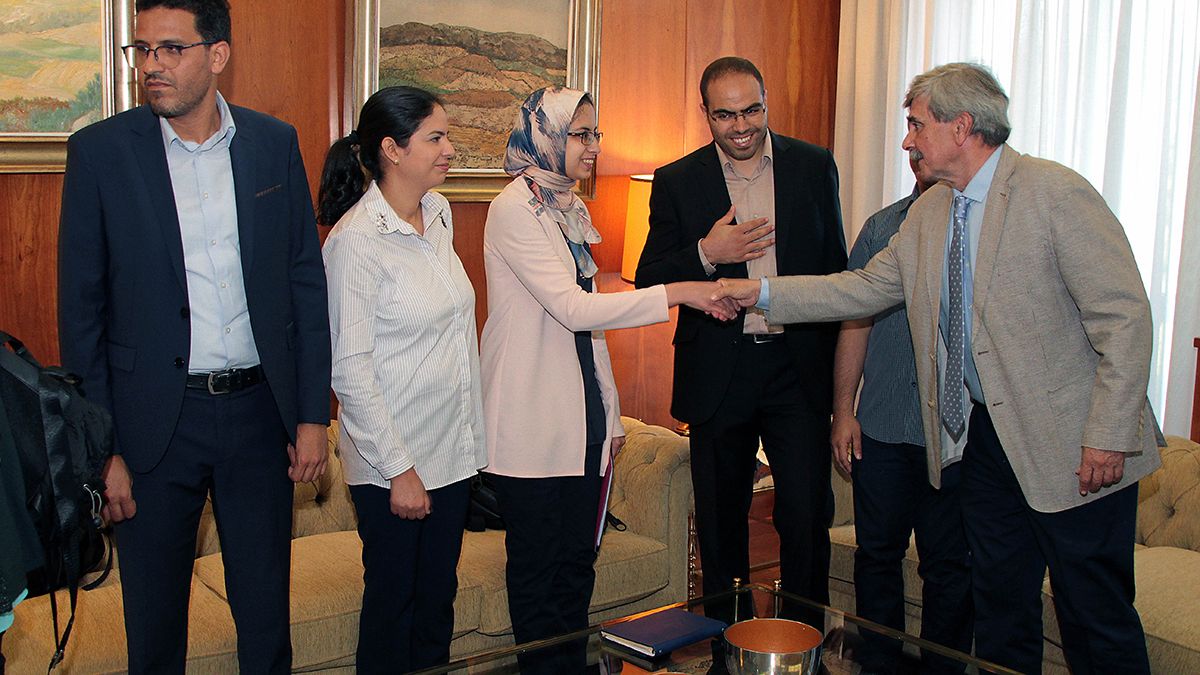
{"x":976,"y":192}
{"x":202,"y":180}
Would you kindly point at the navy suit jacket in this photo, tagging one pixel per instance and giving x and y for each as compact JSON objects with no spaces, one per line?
{"x":123,"y":312}
{"x":687,"y":197}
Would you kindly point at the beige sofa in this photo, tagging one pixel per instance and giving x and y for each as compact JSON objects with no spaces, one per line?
{"x":1166,"y":565}
{"x":641,"y":568}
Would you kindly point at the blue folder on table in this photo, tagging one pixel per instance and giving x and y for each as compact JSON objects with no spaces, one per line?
{"x":662,"y":632}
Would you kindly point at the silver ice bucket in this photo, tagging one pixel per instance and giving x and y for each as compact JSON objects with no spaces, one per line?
{"x":772,"y":647}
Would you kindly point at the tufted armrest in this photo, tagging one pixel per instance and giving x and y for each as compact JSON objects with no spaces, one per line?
{"x":1169,"y":499}
{"x":652,"y":492}
{"x":324,"y":505}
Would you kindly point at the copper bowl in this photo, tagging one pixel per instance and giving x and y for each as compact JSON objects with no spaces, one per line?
{"x":772,"y":647}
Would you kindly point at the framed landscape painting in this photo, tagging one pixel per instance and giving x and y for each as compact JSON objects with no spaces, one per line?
{"x":482,"y":58}
{"x":60,"y":70}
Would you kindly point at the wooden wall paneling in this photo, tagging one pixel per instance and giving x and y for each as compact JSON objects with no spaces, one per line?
{"x":794,"y":45}
{"x":642,"y":52}
{"x":712,"y":28}
{"x":469,"y":218}
{"x":288,"y":61}
{"x":811,"y":74}
{"x":641,"y":95}
{"x":29,"y":208}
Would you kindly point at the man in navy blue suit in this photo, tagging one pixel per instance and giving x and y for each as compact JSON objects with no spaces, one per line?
{"x":192,"y":301}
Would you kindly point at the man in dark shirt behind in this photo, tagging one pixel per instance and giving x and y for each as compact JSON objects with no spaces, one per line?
{"x":892,"y":494}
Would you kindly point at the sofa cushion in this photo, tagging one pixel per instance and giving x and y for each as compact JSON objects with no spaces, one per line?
{"x":1168,"y":613}
{"x":326,"y":596}
{"x":97,"y":642}
{"x":1167,"y":579}
{"x":630,"y":567}
{"x":481,"y":567}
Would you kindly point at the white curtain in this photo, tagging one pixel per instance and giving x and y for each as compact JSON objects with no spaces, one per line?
{"x":1183,"y":358}
{"x":1106,"y":87}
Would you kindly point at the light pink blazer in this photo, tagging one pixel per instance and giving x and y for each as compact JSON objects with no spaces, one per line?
{"x":533,"y":403}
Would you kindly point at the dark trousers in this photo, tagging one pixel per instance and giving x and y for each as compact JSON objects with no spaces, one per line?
{"x":550,"y":525}
{"x":410,"y":579}
{"x":892,"y":499}
{"x":765,"y":399}
{"x":234,"y":446}
{"x":1088,"y":549}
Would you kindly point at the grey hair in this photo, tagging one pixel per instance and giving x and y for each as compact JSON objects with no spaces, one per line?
{"x":955,"y":88}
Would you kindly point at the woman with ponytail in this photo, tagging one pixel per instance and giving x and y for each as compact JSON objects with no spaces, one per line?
{"x":405,"y":371}
{"x":553,"y":419}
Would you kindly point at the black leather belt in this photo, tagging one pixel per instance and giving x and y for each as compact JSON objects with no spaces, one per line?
{"x":763,"y":338}
{"x":226,"y":381}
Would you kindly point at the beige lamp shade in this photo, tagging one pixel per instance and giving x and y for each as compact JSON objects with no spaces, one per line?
{"x":637,"y":224}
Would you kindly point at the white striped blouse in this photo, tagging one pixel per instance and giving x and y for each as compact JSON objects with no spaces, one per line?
{"x":405,"y":354}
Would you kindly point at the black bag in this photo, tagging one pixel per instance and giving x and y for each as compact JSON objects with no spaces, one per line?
{"x":63,"y":442}
{"x":483,"y":512}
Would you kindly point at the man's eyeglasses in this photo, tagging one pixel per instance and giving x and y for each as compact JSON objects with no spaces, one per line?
{"x":167,"y":56}
{"x":587,"y":136}
{"x":752,"y":114}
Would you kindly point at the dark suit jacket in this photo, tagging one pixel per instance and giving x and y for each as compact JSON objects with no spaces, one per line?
{"x":124,"y":321}
{"x":688,"y":196}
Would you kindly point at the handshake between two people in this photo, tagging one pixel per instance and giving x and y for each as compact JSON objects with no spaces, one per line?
{"x":721,"y":299}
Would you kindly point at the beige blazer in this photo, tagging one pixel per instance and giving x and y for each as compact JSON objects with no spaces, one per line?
{"x":533,"y":405}
{"x":1062,"y":331}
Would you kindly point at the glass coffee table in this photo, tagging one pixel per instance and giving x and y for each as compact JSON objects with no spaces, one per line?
{"x":844,"y":634}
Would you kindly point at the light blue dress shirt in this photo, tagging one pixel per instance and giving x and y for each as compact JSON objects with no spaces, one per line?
{"x":976,"y":191}
{"x":764,"y":294}
{"x":202,"y":180}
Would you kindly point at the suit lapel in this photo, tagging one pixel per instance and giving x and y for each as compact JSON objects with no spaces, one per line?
{"x":156,"y":174}
{"x":785,"y":196}
{"x":992,"y":228}
{"x":933,"y":244}
{"x":712,"y":187}
{"x":241,"y":157}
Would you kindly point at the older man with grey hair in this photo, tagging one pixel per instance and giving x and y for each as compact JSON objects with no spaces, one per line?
{"x":1032,"y":335}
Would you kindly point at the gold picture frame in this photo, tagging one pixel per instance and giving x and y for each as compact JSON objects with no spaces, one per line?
{"x":46,"y":152}
{"x":472,"y":183}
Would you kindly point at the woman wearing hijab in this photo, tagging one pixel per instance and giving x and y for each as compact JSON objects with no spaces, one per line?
{"x":550,"y":403}
{"x":405,"y":370}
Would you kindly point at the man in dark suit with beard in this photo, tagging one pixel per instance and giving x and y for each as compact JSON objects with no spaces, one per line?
{"x":752,"y":202}
{"x":192,"y":301}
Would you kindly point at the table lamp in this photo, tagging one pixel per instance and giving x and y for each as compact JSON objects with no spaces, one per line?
{"x":637,"y":224}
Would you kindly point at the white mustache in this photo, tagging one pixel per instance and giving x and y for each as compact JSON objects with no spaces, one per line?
{"x":915,"y":155}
